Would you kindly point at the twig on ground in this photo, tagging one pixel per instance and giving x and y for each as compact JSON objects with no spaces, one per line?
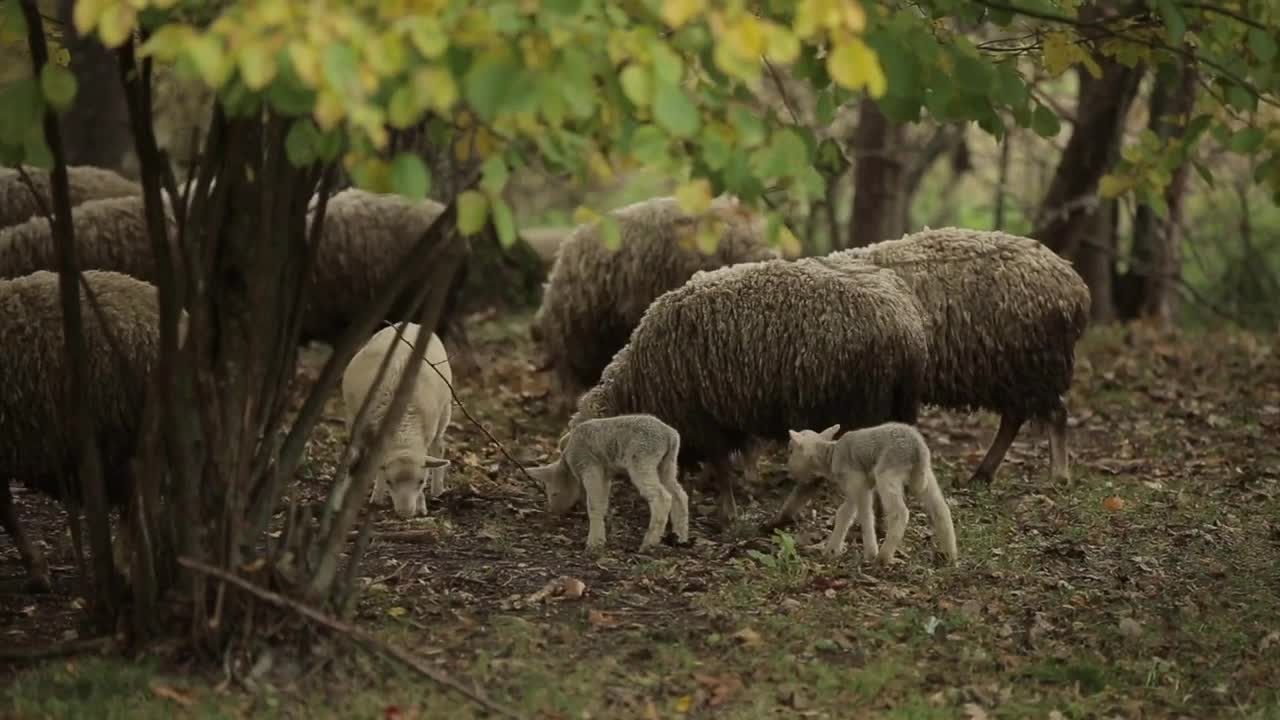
{"x":44,"y":652}
{"x":358,"y":634}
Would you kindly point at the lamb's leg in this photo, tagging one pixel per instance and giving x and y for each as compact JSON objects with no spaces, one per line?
{"x":800,"y":496}
{"x":844,"y":519}
{"x":935,"y":505}
{"x":596,"y":484}
{"x":437,"y":474}
{"x":379,"y":496}
{"x":37,"y":569}
{"x":421,"y":506}
{"x":867,"y":519}
{"x":750,"y":459}
{"x":1009,"y":425}
{"x":659,"y":499}
{"x":669,"y":476}
{"x":889,"y":482}
{"x":1058,"y":443}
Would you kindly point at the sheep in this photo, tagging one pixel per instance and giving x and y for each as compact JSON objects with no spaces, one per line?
{"x":643,"y":447}
{"x":111,"y":234}
{"x":750,"y":351}
{"x":1004,"y":314}
{"x":415,"y":447}
{"x":84,"y":183}
{"x":892,"y":456}
{"x":39,"y":447}
{"x":595,"y":296}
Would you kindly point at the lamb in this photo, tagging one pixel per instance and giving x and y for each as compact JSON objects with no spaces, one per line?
{"x":643,"y":447}
{"x":1004,"y":314}
{"x":415,"y":447}
{"x":84,"y":183}
{"x":38,"y":446}
{"x":890,"y":455}
{"x":747,"y":352}
{"x":111,"y":234}
{"x":594,"y":297}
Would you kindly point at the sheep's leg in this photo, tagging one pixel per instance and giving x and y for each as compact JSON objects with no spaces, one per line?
{"x":437,"y":474}
{"x":844,"y":519}
{"x":669,"y":476}
{"x":421,"y":504}
{"x":37,"y":569}
{"x":723,"y":476}
{"x":750,"y":458}
{"x":935,"y":505}
{"x":596,"y":484}
{"x":1058,"y":443}
{"x":800,"y":496}
{"x":379,"y":496}
{"x":1010,"y":423}
{"x":889,"y":482}
{"x":659,"y":499}
{"x":867,"y":519}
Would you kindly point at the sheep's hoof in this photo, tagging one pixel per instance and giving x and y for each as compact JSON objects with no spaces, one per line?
{"x":39,"y":584}
{"x":647,"y":546}
{"x":595,"y":547}
{"x":869,"y":556}
{"x":675,"y":540}
{"x":833,"y":552}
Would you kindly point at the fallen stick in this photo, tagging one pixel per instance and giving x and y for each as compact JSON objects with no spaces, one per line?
{"x":62,"y":649}
{"x":361,"y":636}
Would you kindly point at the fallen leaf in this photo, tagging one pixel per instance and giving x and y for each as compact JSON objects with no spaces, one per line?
{"x":168,"y":693}
{"x":1115,"y":502}
{"x":720,"y":687}
{"x":747,"y":637}
{"x":683,"y":704}
{"x":600,"y":619}
{"x":397,"y":611}
{"x":572,"y":588}
{"x":974,"y":711}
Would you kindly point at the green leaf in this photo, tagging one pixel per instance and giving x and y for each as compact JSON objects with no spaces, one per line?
{"x":504,"y":222}
{"x":59,"y":86}
{"x":21,"y":107}
{"x":410,"y":176}
{"x":473,"y":208}
{"x":1197,"y":126}
{"x":610,"y":232}
{"x":1241,"y":98}
{"x":12,"y":21}
{"x":302,"y":144}
{"x":1262,"y":45}
{"x":1175,"y":23}
{"x":1045,"y":122}
{"x":487,"y":84}
{"x":427,"y":36}
{"x":288,"y":93}
{"x":747,"y":123}
{"x":648,"y":142}
{"x":830,"y":160}
{"x":405,"y":107}
{"x":636,"y":84}
{"x":35,"y":150}
{"x":1203,"y":171}
{"x":494,"y":174}
{"x":563,"y":7}
{"x":673,"y":110}
{"x":667,"y":66}
{"x":340,"y":66}
{"x":1247,"y":140}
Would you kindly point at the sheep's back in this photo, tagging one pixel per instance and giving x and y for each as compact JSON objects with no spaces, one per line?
{"x":110,"y":234}
{"x":84,"y":183}
{"x":38,"y":445}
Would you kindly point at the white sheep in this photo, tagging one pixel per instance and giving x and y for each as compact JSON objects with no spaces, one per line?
{"x":643,"y":447}
{"x":415,"y":447}
{"x":890,"y":455}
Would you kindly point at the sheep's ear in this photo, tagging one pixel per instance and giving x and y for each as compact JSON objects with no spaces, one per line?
{"x":795,"y":436}
{"x":830,"y":432}
{"x":540,"y":473}
{"x":432,"y":463}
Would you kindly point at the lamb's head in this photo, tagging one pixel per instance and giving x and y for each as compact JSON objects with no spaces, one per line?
{"x":562,"y":489}
{"x":809,"y":453}
{"x":405,"y":477}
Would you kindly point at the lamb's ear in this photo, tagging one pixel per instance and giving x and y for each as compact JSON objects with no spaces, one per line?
{"x":539,"y":473}
{"x":432,"y":463}
{"x":830,"y":432}
{"x":795,"y":436}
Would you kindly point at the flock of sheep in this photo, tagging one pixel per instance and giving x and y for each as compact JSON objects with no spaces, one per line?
{"x":662,"y":357}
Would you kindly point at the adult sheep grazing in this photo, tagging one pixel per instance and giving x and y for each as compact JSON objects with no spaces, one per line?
{"x":413,"y":451}
{"x":84,"y":183}
{"x":38,"y":446}
{"x":1004,"y":314}
{"x":110,"y":234}
{"x":750,"y":351}
{"x":595,"y":296}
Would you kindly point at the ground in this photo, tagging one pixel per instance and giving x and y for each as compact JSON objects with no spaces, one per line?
{"x":1149,"y":587}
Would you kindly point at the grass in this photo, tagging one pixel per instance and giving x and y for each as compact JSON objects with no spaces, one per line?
{"x":1145,"y":587}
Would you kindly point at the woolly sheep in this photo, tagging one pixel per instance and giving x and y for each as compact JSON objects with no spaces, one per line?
{"x":883,"y":460}
{"x":415,"y":447}
{"x":110,"y":234}
{"x":1004,"y":314}
{"x":38,"y":446}
{"x":643,"y":447}
{"x":84,"y":183}
{"x":750,"y":351}
{"x":594,"y":297}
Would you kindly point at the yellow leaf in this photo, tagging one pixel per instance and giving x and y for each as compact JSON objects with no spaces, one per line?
{"x":473,"y":207}
{"x":1113,"y":185}
{"x":684,"y":703}
{"x":855,"y":18}
{"x":306,"y":63}
{"x":745,"y":38}
{"x":788,"y":242}
{"x":427,"y":36}
{"x":438,"y":87}
{"x":397,"y":611}
{"x":116,"y":24}
{"x":272,"y":12}
{"x":583,"y":215}
{"x":1057,"y":51}
{"x":783,"y":46}
{"x":257,"y":66}
{"x":678,"y":12}
{"x":330,"y":109}
{"x":854,"y":65}
{"x":808,"y":17}
{"x":166,"y":42}
{"x":1091,"y":65}
{"x":86,"y":14}
{"x":694,"y":196}
{"x":387,"y":54}
{"x":209,"y":57}
{"x":600,"y":167}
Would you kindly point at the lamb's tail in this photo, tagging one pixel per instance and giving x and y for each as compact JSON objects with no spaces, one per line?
{"x":668,"y":466}
{"x":926,"y":488}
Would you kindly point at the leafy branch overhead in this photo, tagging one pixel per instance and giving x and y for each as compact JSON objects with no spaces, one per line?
{"x":592,"y":88}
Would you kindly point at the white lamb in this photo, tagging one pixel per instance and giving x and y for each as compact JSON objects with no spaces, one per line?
{"x":884,"y":458}
{"x":641,"y":446}
{"x":415,"y":448}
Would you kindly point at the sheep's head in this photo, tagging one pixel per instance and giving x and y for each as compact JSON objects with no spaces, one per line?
{"x":406,"y":479}
{"x":562,"y":489}
{"x":808,"y":454}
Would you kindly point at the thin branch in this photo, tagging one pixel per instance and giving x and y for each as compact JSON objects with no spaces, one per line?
{"x":1205,"y":7}
{"x":361,"y":636}
{"x":782,"y":91}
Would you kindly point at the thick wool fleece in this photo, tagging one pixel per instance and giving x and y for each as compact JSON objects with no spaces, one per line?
{"x":84,"y":183}
{"x":110,"y":234}
{"x":1003,"y":313}
{"x":756,"y":349}
{"x":595,"y":296}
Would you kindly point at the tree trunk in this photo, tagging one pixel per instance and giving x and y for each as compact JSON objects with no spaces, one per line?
{"x":878,"y":181}
{"x":1071,"y":221}
{"x":1156,"y":262}
{"x":95,"y":129}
